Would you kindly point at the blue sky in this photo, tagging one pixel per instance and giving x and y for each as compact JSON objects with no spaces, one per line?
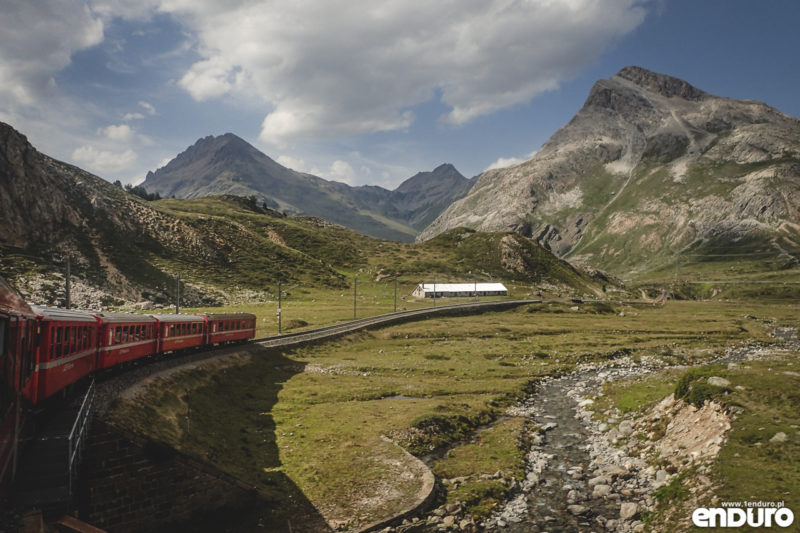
{"x":360,"y":91}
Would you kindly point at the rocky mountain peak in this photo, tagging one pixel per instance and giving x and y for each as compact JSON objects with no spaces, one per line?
{"x":649,"y":165}
{"x":667,"y":86}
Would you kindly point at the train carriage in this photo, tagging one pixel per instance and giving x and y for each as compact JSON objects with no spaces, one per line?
{"x":17,"y":351}
{"x":125,"y":337}
{"x":230,"y":327}
{"x":66,"y":351}
{"x":179,"y":332}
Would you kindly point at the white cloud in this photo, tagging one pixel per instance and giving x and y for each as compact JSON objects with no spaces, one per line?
{"x":294,"y":163}
{"x":132,"y":116}
{"x":504,"y":162}
{"x":147,"y":107}
{"x":37,"y":40}
{"x":348,"y":67}
{"x":125,"y":134}
{"x":104,"y":162}
{"x":119,"y":132}
{"x":341,"y":171}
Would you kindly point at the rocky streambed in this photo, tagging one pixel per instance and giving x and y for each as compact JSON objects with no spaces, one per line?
{"x":597,"y":473}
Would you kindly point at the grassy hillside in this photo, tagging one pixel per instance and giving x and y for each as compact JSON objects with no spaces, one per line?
{"x":229,"y":249}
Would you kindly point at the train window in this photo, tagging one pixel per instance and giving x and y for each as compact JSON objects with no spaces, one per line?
{"x":117,"y":335}
{"x":172,"y":330}
{"x":59,"y":339}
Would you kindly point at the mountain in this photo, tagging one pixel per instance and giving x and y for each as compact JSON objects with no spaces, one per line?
{"x":650,"y":171}
{"x":229,"y":165}
{"x":226,"y":249}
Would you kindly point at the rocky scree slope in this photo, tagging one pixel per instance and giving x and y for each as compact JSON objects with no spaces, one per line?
{"x":649,"y":167}
{"x":227,"y":164}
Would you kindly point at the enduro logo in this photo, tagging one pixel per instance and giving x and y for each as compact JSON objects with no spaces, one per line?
{"x":738,"y":514}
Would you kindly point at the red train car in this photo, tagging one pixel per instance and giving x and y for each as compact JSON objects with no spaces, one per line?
{"x":230,"y":327}
{"x":178,"y":332}
{"x":66,"y":351}
{"x":125,"y":337}
{"x":17,"y":352}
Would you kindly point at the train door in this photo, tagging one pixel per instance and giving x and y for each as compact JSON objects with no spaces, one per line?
{"x":7,"y":370}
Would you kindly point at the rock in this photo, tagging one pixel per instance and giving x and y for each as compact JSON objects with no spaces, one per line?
{"x":661,"y":476}
{"x":611,"y":525}
{"x":599,"y":480}
{"x":601,"y":490}
{"x":467,"y":525}
{"x":532,"y":478}
{"x":449,"y":520}
{"x":779,"y":437}
{"x":603,"y":427}
{"x":577,"y":509}
{"x":628,"y":510}
{"x":452,"y":508}
{"x":718,"y":381}
{"x":625,"y":428}
{"x":549,"y":426}
{"x":586,"y":402}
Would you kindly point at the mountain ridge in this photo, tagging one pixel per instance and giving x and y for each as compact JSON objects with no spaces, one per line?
{"x":227,"y":164}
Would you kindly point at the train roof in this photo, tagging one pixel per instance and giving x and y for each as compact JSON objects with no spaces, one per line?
{"x":110,"y":318}
{"x":229,"y":316}
{"x":56,"y":313}
{"x":11,"y":300}
{"x":172,"y":317}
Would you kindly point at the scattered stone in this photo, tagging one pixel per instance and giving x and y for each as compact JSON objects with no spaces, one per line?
{"x":577,"y":509}
{"x":779,"y":437}
{"x":449,"y":520}
{"x":718,"y":381}
{"x":601,"y":491}
{"x":625,"y":428}
{"x":628,"y":510}
{"x":661,"y":476}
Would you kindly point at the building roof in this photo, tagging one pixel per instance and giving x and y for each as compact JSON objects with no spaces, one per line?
{"x":463,"y":287}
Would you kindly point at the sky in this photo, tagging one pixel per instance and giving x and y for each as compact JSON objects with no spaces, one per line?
{"x":361,"y":91}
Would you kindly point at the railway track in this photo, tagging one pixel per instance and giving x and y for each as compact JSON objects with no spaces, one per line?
{"x":301,"y":337}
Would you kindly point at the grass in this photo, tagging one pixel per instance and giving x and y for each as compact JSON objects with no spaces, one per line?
{"x":316,"y":415}
{"x":498,"y":448}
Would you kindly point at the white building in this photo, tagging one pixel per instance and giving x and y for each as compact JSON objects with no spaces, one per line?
{"x":449,"y":290}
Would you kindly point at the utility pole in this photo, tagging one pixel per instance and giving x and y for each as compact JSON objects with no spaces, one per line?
{"x":279,"y":308}
{"x":69,"y":279}
{"x":395,"y":294}
{"x":434,"y":290}
{"x":355,"y":292}
{"x":177,"y":294}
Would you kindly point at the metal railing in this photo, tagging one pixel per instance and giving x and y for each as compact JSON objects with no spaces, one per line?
{"x":77,"y":436}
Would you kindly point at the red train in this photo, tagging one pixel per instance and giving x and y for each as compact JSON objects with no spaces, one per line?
{"x":43,"y":350}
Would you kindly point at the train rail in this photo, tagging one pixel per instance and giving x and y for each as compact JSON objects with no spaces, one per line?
{"x":327,"y":332}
